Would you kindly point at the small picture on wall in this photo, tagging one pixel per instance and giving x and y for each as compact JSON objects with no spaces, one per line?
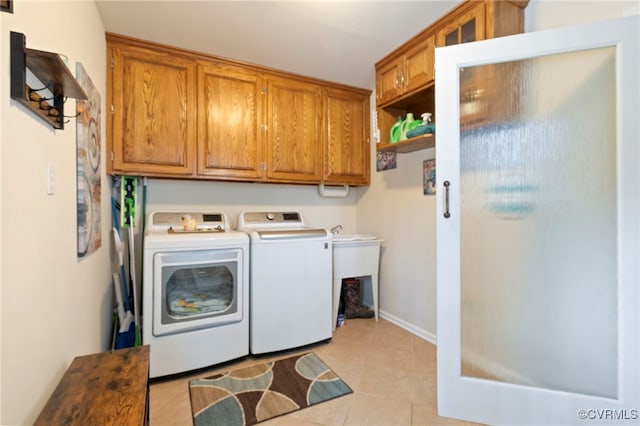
{"x":6,"y":6}
{"x":429,"y":177}
{"x":385,"y":160}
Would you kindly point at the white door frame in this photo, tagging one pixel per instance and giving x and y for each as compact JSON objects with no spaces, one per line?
{"x":494,"y":402}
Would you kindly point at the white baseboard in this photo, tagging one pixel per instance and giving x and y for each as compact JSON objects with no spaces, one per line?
{"x":424,"y":334}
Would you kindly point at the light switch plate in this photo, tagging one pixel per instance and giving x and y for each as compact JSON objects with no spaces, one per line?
{"x":51,"y":180}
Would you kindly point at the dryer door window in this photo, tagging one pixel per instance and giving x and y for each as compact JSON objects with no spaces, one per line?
{"x":193,"y":292}
{"x":196,"y":290}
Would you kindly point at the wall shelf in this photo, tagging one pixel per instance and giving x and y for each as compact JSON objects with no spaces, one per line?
{"x":417,"y":103}
{"x":410,"y":145}
{"x":49,"y":68}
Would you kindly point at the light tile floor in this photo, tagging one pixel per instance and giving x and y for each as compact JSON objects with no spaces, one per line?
{"x":391,"y":371}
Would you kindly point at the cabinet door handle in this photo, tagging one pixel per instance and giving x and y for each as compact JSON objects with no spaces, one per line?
{"x":397,"y":82}
{"x":446,"y":183}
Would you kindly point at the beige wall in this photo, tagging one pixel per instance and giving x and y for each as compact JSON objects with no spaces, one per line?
{"x":54,"y":305}
{"x":232,"y":198}
{"x":395,"y":209}
{"x":546,"y":14}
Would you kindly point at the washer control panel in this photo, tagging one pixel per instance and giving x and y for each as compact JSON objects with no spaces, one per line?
{"x":255,"y":220}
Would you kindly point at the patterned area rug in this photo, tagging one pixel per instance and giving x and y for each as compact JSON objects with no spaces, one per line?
{"x":254,"y":394}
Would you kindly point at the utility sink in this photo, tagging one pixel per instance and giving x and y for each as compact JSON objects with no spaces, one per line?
{"x":356,"y":256}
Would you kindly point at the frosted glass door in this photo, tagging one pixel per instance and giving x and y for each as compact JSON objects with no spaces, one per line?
{"x":538,"y":228}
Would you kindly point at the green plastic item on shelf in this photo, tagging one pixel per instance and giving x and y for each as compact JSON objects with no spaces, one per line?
{"x":394,"y":133}
{"x":408,"y":124}
{"x":425,"y":126}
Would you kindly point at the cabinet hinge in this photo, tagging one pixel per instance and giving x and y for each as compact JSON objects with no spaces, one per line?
{"x":112,"y":157}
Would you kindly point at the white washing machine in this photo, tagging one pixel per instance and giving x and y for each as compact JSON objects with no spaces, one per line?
{"x":290,"y":282}
{"x":195,"y":291}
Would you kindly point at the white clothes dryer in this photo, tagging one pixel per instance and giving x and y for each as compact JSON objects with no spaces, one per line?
{"x":195,"y":291}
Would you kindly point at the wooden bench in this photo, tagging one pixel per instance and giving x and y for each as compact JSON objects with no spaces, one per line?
{"x":108,"y":388}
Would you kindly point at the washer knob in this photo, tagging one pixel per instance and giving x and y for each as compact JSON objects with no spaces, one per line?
{"x":271,"y":216}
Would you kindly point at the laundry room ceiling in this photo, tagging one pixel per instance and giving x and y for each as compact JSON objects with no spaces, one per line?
{"x":338,"y":41}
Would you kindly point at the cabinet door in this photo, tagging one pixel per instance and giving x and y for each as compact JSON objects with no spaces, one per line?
{"x":468,"y":27}
{"x":294,"y":135}
{"x":230,"y":143}
{"x":418,"y":65}
{"x":346,"y":145}
{"x":388,"y":84}
{"x":153,"y":123}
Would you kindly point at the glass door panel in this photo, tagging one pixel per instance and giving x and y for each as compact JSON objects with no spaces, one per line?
{"x":538,"y":228}
{"x":451,"y":38}
{"x":468,"y":31}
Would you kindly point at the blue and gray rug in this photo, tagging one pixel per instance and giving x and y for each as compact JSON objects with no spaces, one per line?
{"x":250,"y":395}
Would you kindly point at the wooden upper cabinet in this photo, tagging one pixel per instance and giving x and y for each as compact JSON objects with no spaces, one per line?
{"x":470,"y":20}
{"x":407,"y":70}
{"x":346,"y":144}
{"x":465,"y":28}
{"x":478,"y":95}
{"x":293,"y":129}
{"x":181,"y":114}
{"x":388,"y":86}
{"x":230,"y":119}
{"x":503,"y":18}
{"x":152,"y":124}
{"x":419,"y":65}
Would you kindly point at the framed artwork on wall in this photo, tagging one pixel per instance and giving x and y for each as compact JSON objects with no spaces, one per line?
{"x":6,"y":6}
{"x":385,"y":161}
{"x":429,"y":177}
{"x":89,"y":148}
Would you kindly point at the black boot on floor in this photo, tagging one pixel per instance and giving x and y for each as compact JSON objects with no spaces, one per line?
{"x":351,"y":300}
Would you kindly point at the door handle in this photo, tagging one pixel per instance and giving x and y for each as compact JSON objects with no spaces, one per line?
{"x":446,"y":199}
